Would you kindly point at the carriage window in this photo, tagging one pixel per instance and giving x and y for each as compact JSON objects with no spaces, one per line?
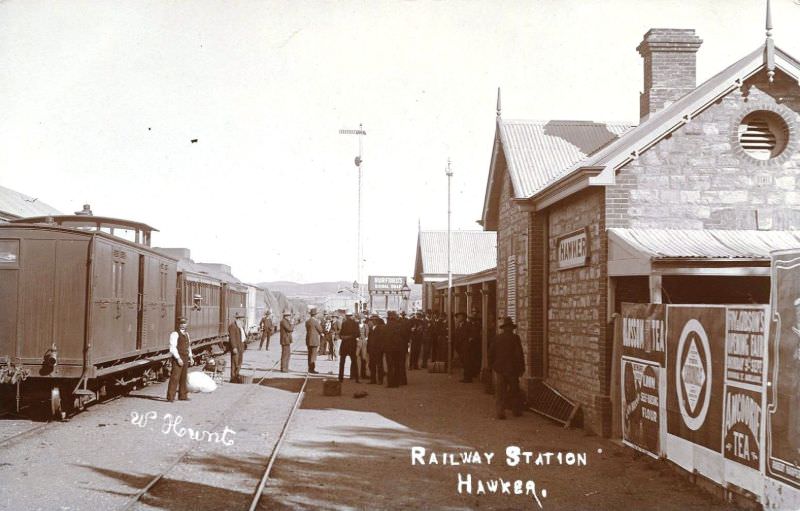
{"x":117,"y":268}
{"x":9,"y":253}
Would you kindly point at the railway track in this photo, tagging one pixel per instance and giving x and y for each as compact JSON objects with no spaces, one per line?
{"x":137,"y":498}
{"x":14,"y":429}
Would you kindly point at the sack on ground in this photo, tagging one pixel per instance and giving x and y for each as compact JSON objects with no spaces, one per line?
{"x":198,"y":381}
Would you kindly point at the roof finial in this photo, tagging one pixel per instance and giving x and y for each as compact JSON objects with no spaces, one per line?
{"x":498,"y":102}
{"x":769,"y":46}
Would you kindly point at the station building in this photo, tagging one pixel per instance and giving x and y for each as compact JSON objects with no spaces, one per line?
{"x":471,"y":252}
{"x":682,"y":208}
{"x":15,"y":205}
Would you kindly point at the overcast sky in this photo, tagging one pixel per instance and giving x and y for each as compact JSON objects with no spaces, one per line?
{"x":99,"y":102}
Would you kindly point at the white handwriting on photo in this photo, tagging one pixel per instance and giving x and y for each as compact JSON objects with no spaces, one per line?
{"x":171,"y":425}
{"x":468,"y":485}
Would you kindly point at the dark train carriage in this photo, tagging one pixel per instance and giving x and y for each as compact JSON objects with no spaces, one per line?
{"x":235,"y":302}
{"x":81,"y":306}
{"x":200,"y":300}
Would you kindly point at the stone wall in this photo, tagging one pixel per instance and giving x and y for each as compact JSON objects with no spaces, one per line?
{"x":699,"y":177}
{"x":577,"y":341}
{"x":512,"y":239}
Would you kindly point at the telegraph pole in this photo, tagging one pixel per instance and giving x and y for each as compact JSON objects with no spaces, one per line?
{"x":449,"y":173}
{"x":358,"y":161}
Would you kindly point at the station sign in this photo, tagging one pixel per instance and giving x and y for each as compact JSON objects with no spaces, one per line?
{"x":573,"y":249}
{"x":386,"y":285}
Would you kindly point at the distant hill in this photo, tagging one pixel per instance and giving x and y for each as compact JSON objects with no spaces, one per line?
{"x":314,"y":289}
{"x":320,"y":289}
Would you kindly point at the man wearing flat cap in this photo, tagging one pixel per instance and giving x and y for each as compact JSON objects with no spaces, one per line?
{"x":508,"y":363}
{"x":181,"y":351}
{"x":236,"y":338}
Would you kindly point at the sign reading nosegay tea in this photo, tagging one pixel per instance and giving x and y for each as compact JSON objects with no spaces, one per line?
{"x":573,"y":249}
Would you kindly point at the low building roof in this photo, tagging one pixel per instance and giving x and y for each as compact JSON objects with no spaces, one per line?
{"x":707,"y":243}
{"x":14,"y":204}
{"x":695,"y":251}
{"x":470,"y":252}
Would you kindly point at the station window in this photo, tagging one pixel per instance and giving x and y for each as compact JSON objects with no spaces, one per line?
{"x":763,"y":134}
{"x":9,"y":253}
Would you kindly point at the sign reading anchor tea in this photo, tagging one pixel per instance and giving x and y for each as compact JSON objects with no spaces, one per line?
{"x":693,"y":374}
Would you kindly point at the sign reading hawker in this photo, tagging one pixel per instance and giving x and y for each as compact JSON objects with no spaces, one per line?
{"x":573,"y":249}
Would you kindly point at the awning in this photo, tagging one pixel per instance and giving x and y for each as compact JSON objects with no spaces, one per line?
{"x":694,"y":251}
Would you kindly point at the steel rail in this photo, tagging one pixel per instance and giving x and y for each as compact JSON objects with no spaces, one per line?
{"x":274,"y":455}
{"x":135,"y":499}
{"x":39,"y":427}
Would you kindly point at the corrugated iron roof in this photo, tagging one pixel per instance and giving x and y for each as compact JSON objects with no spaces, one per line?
{"x":538,"y":151}
{"x":15,"y":204}
{"x":708,"y":243}
{"x":470,"y":251}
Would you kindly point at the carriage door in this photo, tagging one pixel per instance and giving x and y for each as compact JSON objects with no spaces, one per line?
{"x":140,"y":306}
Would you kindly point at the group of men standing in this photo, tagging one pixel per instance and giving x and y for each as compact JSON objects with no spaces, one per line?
{"x":380,"y":346}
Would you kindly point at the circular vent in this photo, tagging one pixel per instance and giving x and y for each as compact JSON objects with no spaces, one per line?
{"x":763,"y":134}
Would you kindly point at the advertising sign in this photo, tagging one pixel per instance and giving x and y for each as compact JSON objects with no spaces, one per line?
{"x":386,"y":285}
{"x":745,"y":345}
{"x":695,"y":355}
{"x":641,"y":400}
{"x":783,"y":396}
{"x":573,"y":250}
{"x":644,"y":331}
{"x":741,"y":431}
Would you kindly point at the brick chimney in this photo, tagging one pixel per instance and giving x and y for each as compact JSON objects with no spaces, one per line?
{"x":669,"y":67}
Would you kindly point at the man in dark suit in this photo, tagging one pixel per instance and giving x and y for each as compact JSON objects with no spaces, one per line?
{"x":266,"y":330}
{"x":396,"y":348}
{"x":286,"y":328}
{"x":376,"y":348}
{"x":181,"y":351}
{"x":349,"y":333}
{"x":236,"y":338}
{"x":313,"y":336}
{"x":508,"y":363}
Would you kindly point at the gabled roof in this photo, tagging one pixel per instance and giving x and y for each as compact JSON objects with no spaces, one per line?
{"x":470,"y":252}
{"x":18,"y":205}
{"x":660,"y":124}
{"x":536,"y":152}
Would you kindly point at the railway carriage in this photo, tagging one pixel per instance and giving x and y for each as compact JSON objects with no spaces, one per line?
{"x":82,"y":307}
{"x":84,"y":310}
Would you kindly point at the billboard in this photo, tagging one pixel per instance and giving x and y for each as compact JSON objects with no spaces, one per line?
{"x":386,"y":285}
{"x":695,"y":359}
{"x":783,"y":418}
{"x":644,"y":337}
{"x":641,"y":405}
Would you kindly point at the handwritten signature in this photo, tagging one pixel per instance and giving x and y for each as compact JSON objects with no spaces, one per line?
{"x":171,"y":425}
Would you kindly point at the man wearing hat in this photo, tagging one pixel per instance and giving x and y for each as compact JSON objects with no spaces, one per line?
{"x":286,"y":328}
{"x":349,"y":334}
{"x":508,"y":363}
{"x":236,"y":337}
{"x":376,"y":348}
{"x":266,"y":329}
{"x":313,"y":335}
{"x":181,"y":351}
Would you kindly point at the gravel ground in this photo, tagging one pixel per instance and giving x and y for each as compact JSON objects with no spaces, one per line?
{"x":347,"y":453}
{"x":99,"y":458}
{"x":341,"y":452}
